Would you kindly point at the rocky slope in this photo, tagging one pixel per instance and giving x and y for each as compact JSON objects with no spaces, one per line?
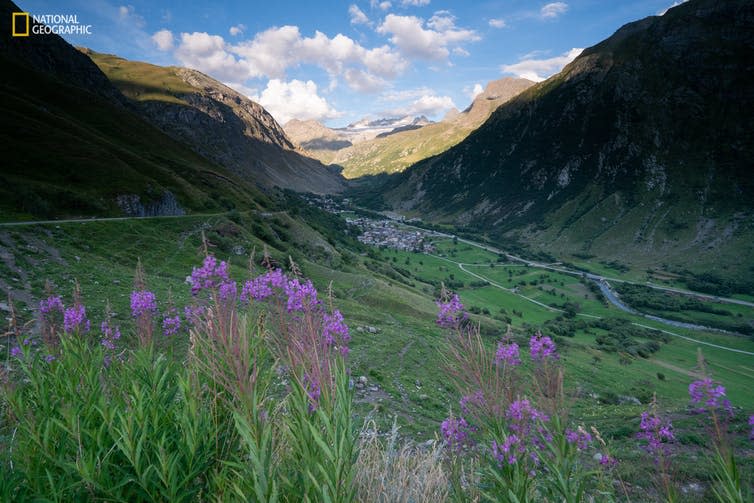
{"x":219,"y":123}
{"x":394,"y":150}
{"x":639,"y":149}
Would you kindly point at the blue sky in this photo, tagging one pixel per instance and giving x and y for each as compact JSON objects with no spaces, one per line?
{"x":340,"y":61}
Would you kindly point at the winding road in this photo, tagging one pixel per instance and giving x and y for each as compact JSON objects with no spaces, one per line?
{"x":605,"y":289}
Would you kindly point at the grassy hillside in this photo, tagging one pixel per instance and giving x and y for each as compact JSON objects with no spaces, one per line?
{"x":68,"y":153}
{"x":387,"y":298}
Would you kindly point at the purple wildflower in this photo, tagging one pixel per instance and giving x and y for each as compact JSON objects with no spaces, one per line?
{"x":476,"y":399}
{"x":579,"y":437}
{"x":210,"y":275}
{"x":16,"y":352}
{"x":228,"y":291}
{"x":751,"y":423}
{"x":451,"y":313}
{"x":709,"y":394}
{"x":542,"y":347}
{"x":75,"y":320}
{"x":171,"y":325}
{"x":656,"y":432}
{"x":507,"y":354}
{"x":194,"y":314}
{"x":506,"y":452}
{"x":143,"y":302}
{"x":607,"y":461}
{"x":109,"y":335}
{"x":257,"y":288}
{"x":455,"y":431}
{"x":301,"y":297}
{"x":313,"y":391}
{"x":50,"y":304}
{"x":50,"y":358}
{"x":334,"y":328}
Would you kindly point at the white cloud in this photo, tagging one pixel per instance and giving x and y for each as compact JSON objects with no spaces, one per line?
{"x":357,"y":15}
{"x":497,"y":23}
{"x":127,"y":14}
{"x":271,"y":52}
{"x":163,"y":39}
{"x":413,"y":39}
{"x":539,"y":69}
{"x":675,"y":4}
{"x":210,"y":54}
{"x":430,"y":105}
{"x":385,"y":5}
{"x":553,"y":10}
{"x":474,"y":92}
{"x":237,"y":29}
{"x":364,"y":82}
{"x":295,"y":100}
{"x":406,"y":94}
{"x":415,"y":3}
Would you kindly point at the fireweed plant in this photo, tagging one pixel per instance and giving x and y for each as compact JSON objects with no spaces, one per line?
{"x":259,"y":409}
{"x":707,"y":400}
{"x":515,"y":425}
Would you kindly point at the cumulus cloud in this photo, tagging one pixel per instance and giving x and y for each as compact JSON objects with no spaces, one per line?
{"x":539,"y":69}
{"x":553,"y":10}
{"x":210,"y":54}
{"x":430,"y":40}
{"x":272,"y":51}
{"x":414,"y":3}
{"x":357,"y":15}
{"x":163,"y":39}
{"x":237,"y":29}
{"x":497,"y":23}
{"x":385,"y":5}
{"x":363,"y":82}
{"x":295,"y":100}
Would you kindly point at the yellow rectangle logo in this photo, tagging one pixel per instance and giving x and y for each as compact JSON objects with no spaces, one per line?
{"x":20,"y":20}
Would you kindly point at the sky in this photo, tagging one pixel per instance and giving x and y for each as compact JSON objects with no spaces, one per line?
{"x":338,"y":62}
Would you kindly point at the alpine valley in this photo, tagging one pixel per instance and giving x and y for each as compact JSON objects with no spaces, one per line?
{"x":546,"y":296}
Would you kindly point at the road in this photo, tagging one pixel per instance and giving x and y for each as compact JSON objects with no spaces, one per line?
{"x":611,"y":297}
{"x":597,"y":277}
{"x":103,"y":219}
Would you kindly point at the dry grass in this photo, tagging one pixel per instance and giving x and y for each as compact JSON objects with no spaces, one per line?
{"x":405,"y":473}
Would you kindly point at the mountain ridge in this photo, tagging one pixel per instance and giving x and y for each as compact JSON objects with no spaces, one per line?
{"x":218,"y":122}
{"x":625,"y":153}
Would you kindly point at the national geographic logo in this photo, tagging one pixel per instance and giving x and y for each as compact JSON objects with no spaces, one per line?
{"x":45,"y":24}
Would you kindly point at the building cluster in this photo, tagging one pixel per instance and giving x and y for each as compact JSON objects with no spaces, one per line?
{"x":387,"y":234}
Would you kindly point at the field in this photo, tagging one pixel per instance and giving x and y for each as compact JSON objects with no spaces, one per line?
{"x":387,"y":298}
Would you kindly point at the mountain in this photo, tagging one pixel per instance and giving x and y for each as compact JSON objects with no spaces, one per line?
{"x":72,"y":145}
{"x":391,"y":145}
{"x":218,"y":123}
{"x":639,"y":150}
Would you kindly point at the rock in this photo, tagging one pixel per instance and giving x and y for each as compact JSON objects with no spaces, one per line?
{"x":423,"y":397}
{"x":4,"y":307}
{"x":692,"y":488}
{"x":597,"y":456}
{"x":418,"y":383}
{"x":374,"y":388}
{"x":116,"y":282}
{"x":363,"y":379}
{"x":628,"y":400}
{"x":359,"y":329}
{"x":371,"y":330}
{"x":239,"y":250}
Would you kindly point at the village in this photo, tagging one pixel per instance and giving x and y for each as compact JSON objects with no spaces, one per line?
{"x":388,"y":234}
